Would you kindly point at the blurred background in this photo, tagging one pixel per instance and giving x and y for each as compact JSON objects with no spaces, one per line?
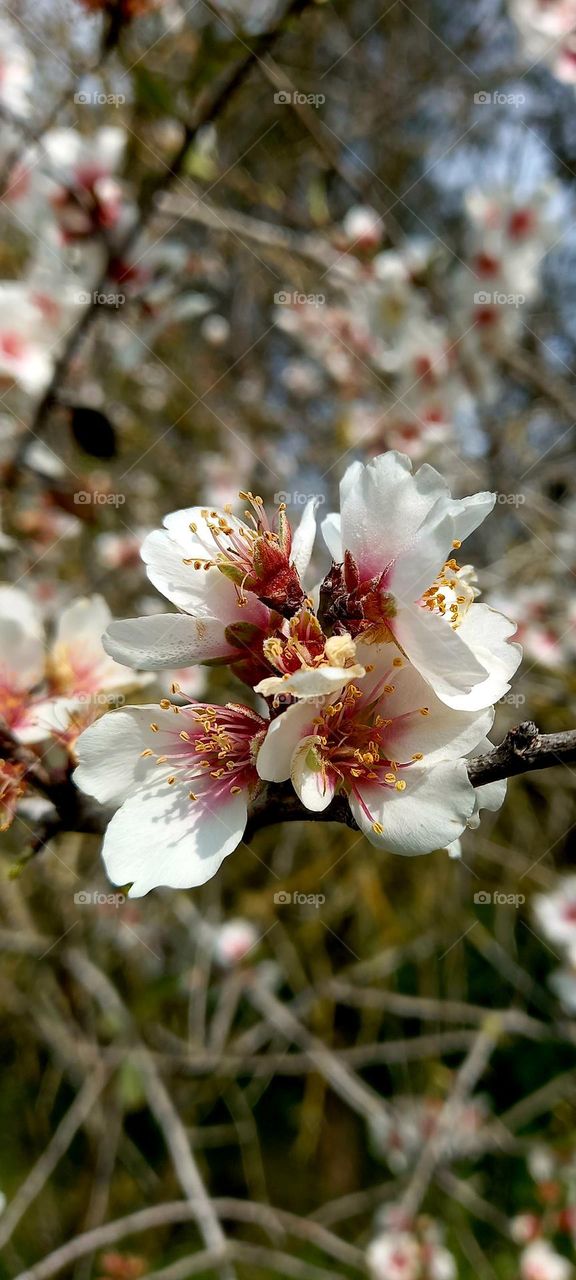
{"x":240,"y":246}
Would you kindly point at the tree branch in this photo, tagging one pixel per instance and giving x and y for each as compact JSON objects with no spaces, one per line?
{"x":523,"y":750}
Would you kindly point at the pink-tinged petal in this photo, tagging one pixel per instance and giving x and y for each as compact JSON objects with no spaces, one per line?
{"x":166,"y":640}
{"x":204,"y":593}
{"x":487,"y":633}
{"x":160,"y":837}
{"x":283,"y":736}
{"x":437,"y":651}
{"x":313,"y":784}
{"x":429,"y":814}
{"x":303,"y":539}
{"x":420,"y":722}
{"x":383,"y":506}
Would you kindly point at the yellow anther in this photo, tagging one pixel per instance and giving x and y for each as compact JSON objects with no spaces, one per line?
{"x":378,"y":829}
{"x":400,"y":786}
{"x":154,"y":727}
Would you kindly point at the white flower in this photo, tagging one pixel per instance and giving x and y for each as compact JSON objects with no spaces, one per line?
{"x":539,"y":1261}
{"x":183,"y":777}
{"x":441,"y":1264}
{"x":31,"y":325}
{"x":563,"y":984}
{"x":43,"y":688}
{"x":210,"y":565}
{"x":363,"y":227}
{"x":394,"y":542}
{"x":556,"y":912}
{"x":393,"y":748}
{"x":394,"y":1255}
{"x":233,"y":941}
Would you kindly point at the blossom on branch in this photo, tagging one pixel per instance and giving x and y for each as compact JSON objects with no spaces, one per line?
{"x":394,"y":577}
{"x":183,"y":777}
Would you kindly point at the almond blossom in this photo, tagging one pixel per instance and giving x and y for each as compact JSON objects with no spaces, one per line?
{"x":393,"y":748}
{"x":233,"y":581}
{"x":32,"y":324}
{"x":540,"y":1261}
{"x":47,"y":689}
{"x":183,"y":778}
{"x":394,"y":577}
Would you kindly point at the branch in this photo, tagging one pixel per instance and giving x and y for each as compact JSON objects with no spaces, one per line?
{"x":523,"y":750}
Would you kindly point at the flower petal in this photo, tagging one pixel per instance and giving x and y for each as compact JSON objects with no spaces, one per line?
{"x":166,"y":640}
{"x":283,"y":736}
{"x":487,"y":634}
{"x":161,"y":837}
{"x":313,"y":784}
{"x":430,"y":814}
{"x":438,"y":652}
{"x":110,"y":751}
{"x":383,"y":505}
{"x":303,"y":539}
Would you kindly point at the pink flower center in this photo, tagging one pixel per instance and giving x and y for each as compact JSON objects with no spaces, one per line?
{"x":351,"y":741}
{"x":211,"y":749}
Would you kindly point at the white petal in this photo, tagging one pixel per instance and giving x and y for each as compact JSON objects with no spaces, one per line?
{"x":303,"y":539}
{"x":468,"y":513}
{"x":161,"y":837}
{"x":21,"y":657}
{"x":204,"y":593}
{"x":438,"y":652}
{"x":441,"y":734}
{"x":165,"y":640}
{"x":283,"y":736}
{"x":333,"y":537}
{"x":419,"y":564}
{"x":310,"y":682}
{"x":432,"y":812}
{"x":493,"y":794}
{"x":110,"y":751}
{"x":314,"y":786}
{"x":382,"y":507}
{"x":83,"y":620}
{"x":487,"y":634}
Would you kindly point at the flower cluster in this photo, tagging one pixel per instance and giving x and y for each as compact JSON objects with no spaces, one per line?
{"x":383,"y":333}
{"x":552,"y":1223}
{"x":50,"y":690}
{"x":377,"y":683}
{"x":547,"y":31}
{"x":409,"y":1251}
